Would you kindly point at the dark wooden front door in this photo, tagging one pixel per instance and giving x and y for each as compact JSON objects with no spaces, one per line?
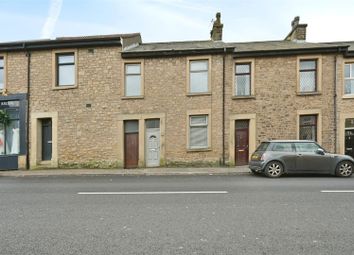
{"x":131,"y":144}
{"x":349,"y":142}
{"x":47,"y":139}
{"x":242,"y":142}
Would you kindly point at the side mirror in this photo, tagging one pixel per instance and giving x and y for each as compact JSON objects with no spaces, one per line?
{"x":320,"y":151}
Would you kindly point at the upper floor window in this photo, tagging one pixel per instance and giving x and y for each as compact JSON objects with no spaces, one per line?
{"x":198,"y":76}
{"x":308,"y":127}
{"x":198,"y":131}
{"x":243,"y":79}
{"x":2,"y":75}
{"x":349,"y":78}
{"x":133,"y":86}
{"x":65,"y":69}
{"x":308,"y":75}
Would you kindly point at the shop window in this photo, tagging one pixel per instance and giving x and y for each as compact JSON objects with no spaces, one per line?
{"x":2,"y":75}
{"x":10,"y":132}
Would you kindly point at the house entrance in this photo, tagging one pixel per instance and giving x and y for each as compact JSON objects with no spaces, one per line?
{"x":241,"y":142}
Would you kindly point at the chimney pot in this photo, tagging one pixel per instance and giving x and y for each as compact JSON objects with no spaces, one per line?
{"x":216,"y":32}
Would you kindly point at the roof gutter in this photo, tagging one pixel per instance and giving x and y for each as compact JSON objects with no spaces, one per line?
{"x":285,"y":52}
{"x":172,"y":52}
{"x":58,"y":44}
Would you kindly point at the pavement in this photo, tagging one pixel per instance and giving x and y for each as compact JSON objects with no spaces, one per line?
{"x":239,"y":170}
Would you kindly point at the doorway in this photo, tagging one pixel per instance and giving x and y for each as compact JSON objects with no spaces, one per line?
{"x":46,"y":139}
{"x":131,"y":143}
{"x":349,"y":137}
{"x":241,"y":142}
{"x":152,"y":142}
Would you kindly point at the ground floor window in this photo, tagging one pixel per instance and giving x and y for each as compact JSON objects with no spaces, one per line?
{"x":10,"y":132}
{"x":308,"y":127}
{"x":198,"y":131}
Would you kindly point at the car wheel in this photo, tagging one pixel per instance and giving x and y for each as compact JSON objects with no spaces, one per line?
{"x":274,"y":169}
{"x":344,"y":169}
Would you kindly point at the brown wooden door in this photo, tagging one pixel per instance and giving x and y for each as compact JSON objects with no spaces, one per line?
{"x":131,"y":150}
{"x":131,"y":144}
{"x":242,"y":142}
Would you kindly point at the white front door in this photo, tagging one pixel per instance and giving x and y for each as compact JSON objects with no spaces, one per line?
{"x":152,"y":147}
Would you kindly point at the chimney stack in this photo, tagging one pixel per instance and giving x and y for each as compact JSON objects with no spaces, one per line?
{"x":216,"y":32}
{"x":298,"y":31}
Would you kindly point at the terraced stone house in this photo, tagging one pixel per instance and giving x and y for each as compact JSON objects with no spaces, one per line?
{"x":113,"y":101}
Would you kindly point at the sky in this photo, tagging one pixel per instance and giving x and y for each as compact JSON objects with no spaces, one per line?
{"x":176,"y":20}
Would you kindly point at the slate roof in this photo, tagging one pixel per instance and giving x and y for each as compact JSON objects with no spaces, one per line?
{"x":241,"y":48}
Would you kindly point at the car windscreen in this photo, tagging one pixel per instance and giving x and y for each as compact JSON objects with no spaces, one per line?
{"x":263,"y":146}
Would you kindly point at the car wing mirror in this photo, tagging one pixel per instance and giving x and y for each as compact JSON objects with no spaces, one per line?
{"x":320,"y":151}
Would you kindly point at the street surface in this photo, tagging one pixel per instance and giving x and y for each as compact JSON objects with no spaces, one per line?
{"x":241,"y":214}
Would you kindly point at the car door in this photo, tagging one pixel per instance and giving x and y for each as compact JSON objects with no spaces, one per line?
{"x":285,"y":152}
{"x":308,"y":161}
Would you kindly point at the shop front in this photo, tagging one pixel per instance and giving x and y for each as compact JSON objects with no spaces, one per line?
{"x":13,"y":132}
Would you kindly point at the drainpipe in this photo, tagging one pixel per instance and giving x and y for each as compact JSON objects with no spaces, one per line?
{"x":335,"y":102}
{"x":223,"y":107}
{"x":28,"y":55}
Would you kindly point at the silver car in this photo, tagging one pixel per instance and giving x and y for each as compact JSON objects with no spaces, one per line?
{"x":276,"y":157}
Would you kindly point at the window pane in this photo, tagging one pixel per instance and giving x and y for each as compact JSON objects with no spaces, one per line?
{"x":132,"y":69}
{"x":199,"y":65}
{"x":199,"y":82}
{"x":2,"y":139}
{"x":198,"y":137}
{"x":307,"y":81}
{"x":1,"y":62}
{"x":306,"y":147}
{"x":154,"y":123}
{"x":352,"y":70}
{"x":308,"y":133}
{"x":13,"y":138}
{"x":245,"y":68}
{"x":286,"y":147}
{"x":349,"y":86}
{"x":66,"y":59}
{"x":13,"y":113}
{"x":308,"y":120}
{"x":199,"y":120}
{"x":132,"y":85}
{"x":1,"y":78}
{"x":242,"y":85}
{"x":349,"y":123}
{"x":66,"y":75}
{"x":131,"y":126}
{"x":307,"y":64}
{"x":347,"y":70}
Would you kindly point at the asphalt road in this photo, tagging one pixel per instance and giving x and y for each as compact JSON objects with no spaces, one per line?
{"x":250,"y":215}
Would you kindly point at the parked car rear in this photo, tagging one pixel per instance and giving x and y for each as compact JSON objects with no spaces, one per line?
{"x":277,"y":157}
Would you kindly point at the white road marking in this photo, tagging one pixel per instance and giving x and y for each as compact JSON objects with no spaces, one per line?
{"x":337,"y":191}
{"x":152,"y":193}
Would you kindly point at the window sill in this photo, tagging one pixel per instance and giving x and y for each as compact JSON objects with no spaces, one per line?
{"x":308,"y":93}
{"x":243,"y":97}
{"x":348,"y":96}
{"x":132,"y":97}
{"x":64,"y":87}
{"x":199,"y":94}
{"x":199,"y":150}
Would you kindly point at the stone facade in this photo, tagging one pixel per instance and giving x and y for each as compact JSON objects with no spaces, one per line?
{"x":89,"y":118}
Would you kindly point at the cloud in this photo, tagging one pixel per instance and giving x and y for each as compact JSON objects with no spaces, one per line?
{"x":54,"y":12}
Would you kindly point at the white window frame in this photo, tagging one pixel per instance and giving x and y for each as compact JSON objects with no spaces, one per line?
{"x":351,"y":77}
{"x":205,"y":124}
{"x":244,"y":74}
{"x":189,"y":72}
{"x":124,"y":92}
